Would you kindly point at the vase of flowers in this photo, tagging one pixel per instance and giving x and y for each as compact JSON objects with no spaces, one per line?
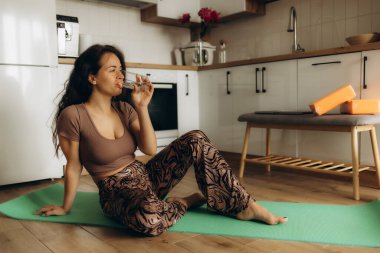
{"x":209,"y":19}
{"x":199,"y":52}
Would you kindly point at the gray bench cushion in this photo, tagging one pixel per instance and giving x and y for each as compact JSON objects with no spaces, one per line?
{"x":311,"y":119}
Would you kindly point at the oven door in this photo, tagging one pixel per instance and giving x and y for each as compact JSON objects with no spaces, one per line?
{"x":163,"y":107}
{"x":162,"y":111}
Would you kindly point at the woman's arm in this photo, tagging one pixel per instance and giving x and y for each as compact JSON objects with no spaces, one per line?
{"x":142,"y":128}
{"x":144,"y":132}
{"x":72,"y":174}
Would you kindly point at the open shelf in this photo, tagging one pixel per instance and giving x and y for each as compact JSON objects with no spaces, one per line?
{"x":319,"y":166}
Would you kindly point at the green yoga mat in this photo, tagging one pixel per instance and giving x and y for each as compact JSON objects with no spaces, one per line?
{"x":357,"y":225}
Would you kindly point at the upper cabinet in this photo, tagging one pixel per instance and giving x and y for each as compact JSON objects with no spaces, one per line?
{"x":167,"y":12}
{"x":233,"y":9}
{"x":174,"y":8}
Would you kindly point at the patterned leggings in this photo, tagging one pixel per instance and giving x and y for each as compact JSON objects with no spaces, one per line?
{"x":135,"y":195}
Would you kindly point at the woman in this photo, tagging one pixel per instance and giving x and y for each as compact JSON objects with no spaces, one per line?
{"x":98,"y":132}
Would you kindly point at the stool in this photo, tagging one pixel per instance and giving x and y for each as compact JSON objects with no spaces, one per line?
{"x":336,"y":123}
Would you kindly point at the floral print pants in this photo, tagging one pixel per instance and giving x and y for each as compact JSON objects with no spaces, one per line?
{"x":135,"y":195}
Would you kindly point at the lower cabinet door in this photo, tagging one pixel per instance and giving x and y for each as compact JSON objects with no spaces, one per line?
{"x":215,"y":107}
{"x":370,"y":89}
{"x":317,"y":77}
{"x":188,"y":101}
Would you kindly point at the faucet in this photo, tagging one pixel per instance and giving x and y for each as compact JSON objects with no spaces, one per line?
{"x":293,"y":28}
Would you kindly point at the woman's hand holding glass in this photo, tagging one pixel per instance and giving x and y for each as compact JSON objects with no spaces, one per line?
{"x":132,"y":79}
{"x":142,"y":88}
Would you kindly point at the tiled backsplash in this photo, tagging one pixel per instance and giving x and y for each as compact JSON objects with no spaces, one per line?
{"x":121,"y":26}
{"x":321,"y":24}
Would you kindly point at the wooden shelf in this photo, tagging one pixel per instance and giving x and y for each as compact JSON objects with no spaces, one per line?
{"x":150,"y":15}
{"x":326,"y":167}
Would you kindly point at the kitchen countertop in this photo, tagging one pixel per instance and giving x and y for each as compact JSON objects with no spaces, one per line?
{"x":64,"y":60}
{"x":284,"y":57}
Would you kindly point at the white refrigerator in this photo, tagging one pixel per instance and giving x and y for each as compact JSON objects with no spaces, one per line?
{"x":28,"y":86}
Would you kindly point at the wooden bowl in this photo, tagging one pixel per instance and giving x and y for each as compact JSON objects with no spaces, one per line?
{"x":363,"y":38}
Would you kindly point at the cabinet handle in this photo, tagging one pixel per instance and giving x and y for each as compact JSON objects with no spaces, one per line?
{"x":364,"y":67}
{"x":257,"y":88}
{"x":227,"y":76}
{"x":187,"y":84}
{"x":262,"y":79}
{"x":323,"y":63}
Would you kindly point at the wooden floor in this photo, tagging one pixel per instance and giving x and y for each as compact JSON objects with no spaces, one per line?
{"x":29,"y":236}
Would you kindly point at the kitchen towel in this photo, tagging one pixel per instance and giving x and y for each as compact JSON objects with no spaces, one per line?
{"x":354,"y":225}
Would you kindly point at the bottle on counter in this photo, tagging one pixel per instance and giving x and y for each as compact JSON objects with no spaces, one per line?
{"x":222,"y":52}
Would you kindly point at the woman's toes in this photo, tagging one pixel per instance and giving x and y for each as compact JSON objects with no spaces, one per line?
{"x":282,"y":219}
{"x":276,"y":220}
{"x":256,"y":212}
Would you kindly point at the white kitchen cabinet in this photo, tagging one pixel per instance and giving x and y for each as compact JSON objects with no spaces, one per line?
{"x":245,"y":100}
{"x":220,"y":106}
{"x":231,"y":7}
{"x":215,"y":107}
{"x":188,"y":101}
{"x":226,"y":7}
{"x":318,"y":77}
{"x":265,"y":87}
{"x":371,"y":77}
{"x":167,"y":12}
{"x":173,"y":9}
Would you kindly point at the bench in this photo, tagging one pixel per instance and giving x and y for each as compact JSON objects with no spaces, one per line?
{"x":338,"y":123}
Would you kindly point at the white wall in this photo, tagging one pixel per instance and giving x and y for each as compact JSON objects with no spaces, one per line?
{"x":121,"y":26}
{"x":321,"y":24}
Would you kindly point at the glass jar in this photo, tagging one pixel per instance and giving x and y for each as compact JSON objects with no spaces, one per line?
{"x":222,"y":52}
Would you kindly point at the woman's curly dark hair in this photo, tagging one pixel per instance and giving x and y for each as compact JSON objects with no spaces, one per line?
{"x":77,"y":88}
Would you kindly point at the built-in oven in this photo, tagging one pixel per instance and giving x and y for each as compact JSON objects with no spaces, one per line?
{"x":162,"y":111}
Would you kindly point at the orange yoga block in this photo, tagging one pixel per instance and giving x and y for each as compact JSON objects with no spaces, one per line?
{"x":364,"y":106}
{"x":332,"y":100}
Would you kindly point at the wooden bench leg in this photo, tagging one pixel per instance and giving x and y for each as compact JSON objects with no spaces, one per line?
{"x":244,"y":151}
{"x":355,"y":162}
{"x":267,"y":151}
{"x":375,"y":152}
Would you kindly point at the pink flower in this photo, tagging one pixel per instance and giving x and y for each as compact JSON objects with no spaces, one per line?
{"x":208,"y":15}
{"x":185,"y":18}
{"x":215,"y":16}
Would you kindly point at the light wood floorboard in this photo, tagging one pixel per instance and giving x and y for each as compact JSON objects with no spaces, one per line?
{"x":280,"y":185}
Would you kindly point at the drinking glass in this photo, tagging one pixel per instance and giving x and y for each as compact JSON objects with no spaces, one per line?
{"x":130,"y":80}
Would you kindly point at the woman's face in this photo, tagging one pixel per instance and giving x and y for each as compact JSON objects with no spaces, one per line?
{"x":109,"y":79}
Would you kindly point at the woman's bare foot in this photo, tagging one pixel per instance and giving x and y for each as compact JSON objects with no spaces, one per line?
{"x":193,"y":200}
{"x":256,"y":212}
